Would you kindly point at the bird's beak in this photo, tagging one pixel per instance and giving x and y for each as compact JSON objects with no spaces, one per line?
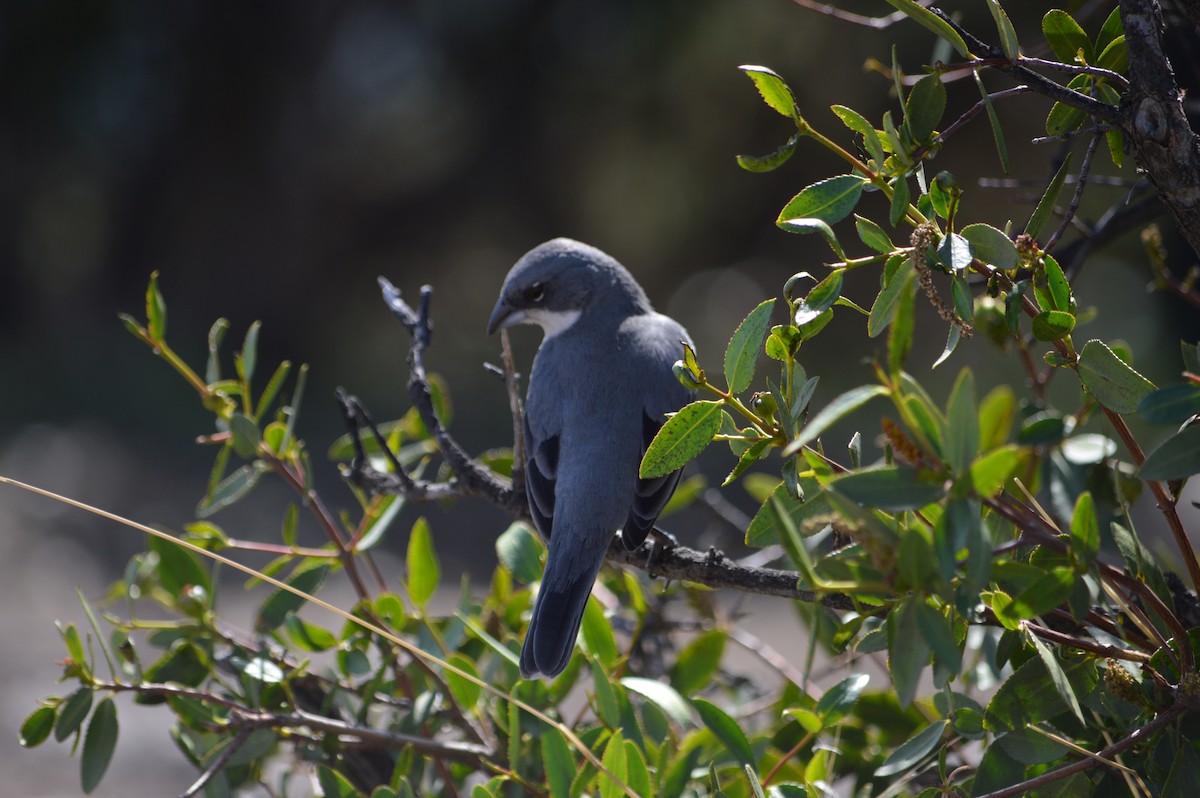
{"x":503,"y":315}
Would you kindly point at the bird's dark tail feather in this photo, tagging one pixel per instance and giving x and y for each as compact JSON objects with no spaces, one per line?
{"x":554,"y":624}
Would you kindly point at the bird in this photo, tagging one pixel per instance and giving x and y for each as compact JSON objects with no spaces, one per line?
{"x":600,"y":388}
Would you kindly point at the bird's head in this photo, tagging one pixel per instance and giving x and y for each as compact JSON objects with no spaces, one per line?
{"x":553,"y":284}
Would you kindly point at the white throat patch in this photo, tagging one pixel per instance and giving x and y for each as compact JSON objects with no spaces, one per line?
{"x":552,"y":321}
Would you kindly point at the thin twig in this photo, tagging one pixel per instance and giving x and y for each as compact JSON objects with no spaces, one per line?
{"x":213,"y":769}
{"x":1081,"y":184}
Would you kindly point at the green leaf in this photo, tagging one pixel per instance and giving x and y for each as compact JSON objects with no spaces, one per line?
{"x":1111,"y":29}
{"x":962,"y":424}
{"x":802,"y":226}
{"x":247,"y":360}
{"x":938,"y":633}
{"x":771,"y":161}
{"x":1063,"y":118}
{"x":99,"y":744}
{"x":1057,"y":289}
{"x":900,"y":194}
{"x":557,"y":761}
{"x":838,"y":700}
{"x":72,"y":713}
{"x":1065,"y":36}
{"x":246,"y":435}
{"x":1115,"y":56}
{"x":834,"y":412}
{"x":184,"y":663}
{"x":1047,"y":592}
{"x":697,"y":662}
{"x":518,"y":551}
{"x":308,"y":578}
{"x":216,"y":334}
{"x":899,"y":284}
{"x":744,"y":347}
{"x":614,"y":763}
{"x":908,"y":653}
{"x":820,"y":298}
{"x":334,"y":784}
{"x":991,"y":245}
{"x":229,"y":490}
{"x":1008,"y":35}
{"x":1185,"y":772}
{"x":829,"y":200}
{"x":178,"y":568}
{"x":1029,"y":696}
{"x":925,"y":106}
{"x":992,"y":470}
{"x":764,"y":528}
{"x":597,"y":634}
{"x":915,"y":748}
{"x":954,"y":252}
{"x":873,"y":235}
{"x":996,"y":414}
{"x":994,"y":121}
{"x":664,"y":696}
{"x":36,"y":727}
{"x":1045,"y":207}
{"x":751,"y":456}
{"x":726,"y":730}
{"x":1178,"y":457}
{"x":773,"y":88}
{"x":684,"y":436}
{"x":856,"y":122}
{"x":900,"y":334}
{"x":1085,"y":529}
{"x":933,"y":22}
{"x":1171,"y":405}
{"x":74,"y":645}
{"x":466,"y":692}
{"x":422,"y":565}
{"x":1111,"y":380}
{"x":1050,"y":325}
{"x":607,"y":706}
{"x":1058,"y":677}
{"x":156,"y":310}
{"x":892,"y":488}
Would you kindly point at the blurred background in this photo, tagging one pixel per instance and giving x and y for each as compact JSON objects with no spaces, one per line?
{"x":271,"y":159}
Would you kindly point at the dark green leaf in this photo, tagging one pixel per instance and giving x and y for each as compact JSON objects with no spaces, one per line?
{"x":1111,"y":380}
{"x":517,"y":550}
{"x":933,"y":22}
{"x":938,"y":632}
{"x":99,"y":744}
{"x":1058,"y":677}
{"x":770,"y":162}
{"x":994,"y":121}
{"x":838,"y":700}
{"x":1030,"y":747}
{"x":1085,"y":529}
{"x":829,"y":200}
{"x":751,"y":456}
{"x":962,"y":424}
{"x":466,"y":692}
{"x":1057,"y":287}
{"x":914,"y":749}
{"x":607,"y":706}
{"x":1171,"y":405}
{"x":557,"y":761}
{"x":908,"y":654}
{"x":697,"y":663}
{"x":1029,"y":696}
{"x":726,"y":730}
{"x":873,"y":235}
{"x":1047,"y":592}
{"x":72,"y":713}
{"x":925,"y":106}
{"x":1008,"y":36}
{"x":997,"y":770}
{"x":1066,"y":37}
{"x":774,"y":90}
{"x":764,"y":528}
{"x":1177,"y":458}
{"x":1191,"y":356}
{"x":178,"y":568}
{"x":684,"y":436}
{"x":991,"y":245}
{"x":745,"y":346}
{"x":820,"y":298}
{"x":892,"y":488}
{"x":901,"y":282}
{"x":1063,"y":118}
{"x":231,"y":489}
{"x":36,"y":727}
{"x":1050,"y":325}
{"x":1045,"y":207}
{"x":900,"y":195}
{"x":307,"y":636}
{"x":954,"y":252}
{"x":308,"y":578}
{"x":834,"y":412}
{"x":423,"y":569}
{"x":184,"y":663}
{"x":1185,"y":772}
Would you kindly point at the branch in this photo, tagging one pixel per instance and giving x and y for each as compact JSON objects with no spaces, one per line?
{"x":1152,"y":117}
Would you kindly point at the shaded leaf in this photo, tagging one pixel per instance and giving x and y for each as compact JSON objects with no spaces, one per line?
{"x":925,"y":106}
{"x":1178,"y":457}
{"x":281,"y":603}
{"x":913,"y":750}
{"x":1111,"y":380}
{"x":1045,"y":207}
{"x":820,"y":298}
{"x":1171,"y":405}
{"x":518,"y":551}
{"x":36,"y":727}
{"x":698,"y":661}
{"x":98,"y":744}
{"x":892,"y":488}
{"x":834,"y":412}
{"x":933,"y":22}
{"x":726,"y":730}
{"x":991,"y":245}
{"x":873,"y":235}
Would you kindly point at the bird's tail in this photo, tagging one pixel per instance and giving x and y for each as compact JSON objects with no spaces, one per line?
{"x":557,"y":614}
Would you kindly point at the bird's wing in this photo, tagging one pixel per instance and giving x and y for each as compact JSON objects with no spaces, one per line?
{"x":663,"y":394}
{"x":541,"y":467}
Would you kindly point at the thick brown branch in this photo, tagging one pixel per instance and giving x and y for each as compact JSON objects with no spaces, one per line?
{"x":1153,"y":119}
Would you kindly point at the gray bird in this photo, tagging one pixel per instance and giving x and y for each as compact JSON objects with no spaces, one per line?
{"x":599,"y":391}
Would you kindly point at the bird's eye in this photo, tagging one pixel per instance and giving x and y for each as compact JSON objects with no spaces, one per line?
{"x":536,"y":292}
